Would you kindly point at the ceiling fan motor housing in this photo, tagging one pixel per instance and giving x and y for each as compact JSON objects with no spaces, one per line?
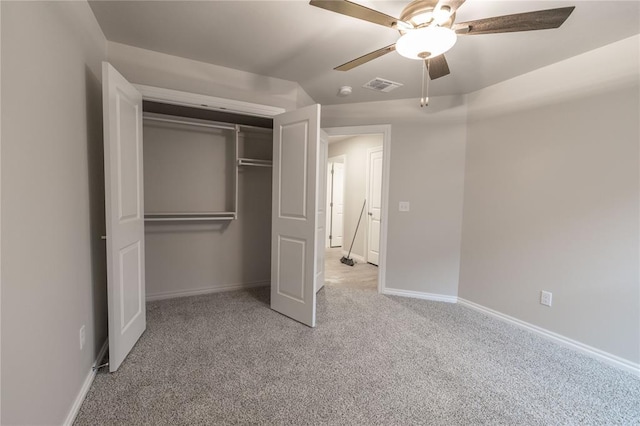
{"x":420,"y":13}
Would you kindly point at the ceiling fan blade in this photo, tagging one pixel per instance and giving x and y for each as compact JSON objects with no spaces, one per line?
{"x":366,"y":58}
{"x":437,"y":67}
{"x":529,"y":21}
{"x":355,"y":10}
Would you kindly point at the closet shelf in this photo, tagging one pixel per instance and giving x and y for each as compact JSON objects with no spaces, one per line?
{"x":254,"y":162}
{"x":176,"y":217}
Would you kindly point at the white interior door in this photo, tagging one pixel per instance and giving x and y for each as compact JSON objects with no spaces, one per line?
{"x":328,"y":204}
{"x":294,"y":229}
{"x":321,"y":192}
{"x":337,"y":205}
{"x":374,"y":185}
{"x":122,"y":111}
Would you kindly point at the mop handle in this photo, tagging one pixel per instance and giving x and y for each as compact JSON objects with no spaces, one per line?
{"x":357,"y":226}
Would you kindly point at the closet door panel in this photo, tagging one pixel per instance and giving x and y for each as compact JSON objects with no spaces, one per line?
{"x":296,"y":145}
{"x":293,"y":170}
{"x":122,"y":109}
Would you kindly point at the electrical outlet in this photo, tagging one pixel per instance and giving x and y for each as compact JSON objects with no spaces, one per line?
{"x":82,"y":338}
{"x":404,"y":206}
{"x":545,"y":298}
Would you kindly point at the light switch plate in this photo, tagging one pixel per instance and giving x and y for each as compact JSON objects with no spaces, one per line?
{"x":404,"y":206}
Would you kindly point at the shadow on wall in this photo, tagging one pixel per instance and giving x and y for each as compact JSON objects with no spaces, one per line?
{"x":97,"y":225}
{"x":254,"y":212}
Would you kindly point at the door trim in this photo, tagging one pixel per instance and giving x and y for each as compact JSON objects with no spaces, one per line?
{"x":385,"y":130}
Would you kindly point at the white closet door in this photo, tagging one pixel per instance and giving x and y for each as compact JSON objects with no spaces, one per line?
{"x":294,"y":250}
{"x":122,"y":110}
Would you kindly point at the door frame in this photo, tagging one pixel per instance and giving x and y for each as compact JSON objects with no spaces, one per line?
{"x":343,"y":159}
{"x":385,"y":131}
{"x":368,"y":192}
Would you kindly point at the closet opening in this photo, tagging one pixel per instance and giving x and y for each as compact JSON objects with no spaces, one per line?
{"x":207,"y":200}
{"x":188,"y":203}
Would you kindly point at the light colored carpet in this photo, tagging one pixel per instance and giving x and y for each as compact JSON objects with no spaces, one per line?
{"x":227,"y":358}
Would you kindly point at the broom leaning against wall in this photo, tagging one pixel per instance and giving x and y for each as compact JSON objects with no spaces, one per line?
{"x":347,"y":259}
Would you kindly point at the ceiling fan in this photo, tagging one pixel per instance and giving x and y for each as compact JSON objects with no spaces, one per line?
{"x":428,"y":29}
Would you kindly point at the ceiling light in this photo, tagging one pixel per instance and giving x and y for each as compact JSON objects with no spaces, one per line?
{"x":425,"y":43}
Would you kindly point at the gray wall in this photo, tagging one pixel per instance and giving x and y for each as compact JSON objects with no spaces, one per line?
{"x":551,"y":199}
{"x":190,"y":169}
{"x":427,"y":169}
{"x":53,"y":261}
{"x":355,"y":186}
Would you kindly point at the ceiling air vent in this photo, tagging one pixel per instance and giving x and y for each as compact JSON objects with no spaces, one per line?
{"x":381,"y":85}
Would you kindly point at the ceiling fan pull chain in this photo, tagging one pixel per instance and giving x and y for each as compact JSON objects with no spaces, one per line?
{"x":422,"y":89}
{"x":428,"y":76}
{"x":422,"y":92}
{"x":424,"y":100}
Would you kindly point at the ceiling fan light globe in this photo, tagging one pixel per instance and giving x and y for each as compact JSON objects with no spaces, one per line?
{"x":435,"y":40}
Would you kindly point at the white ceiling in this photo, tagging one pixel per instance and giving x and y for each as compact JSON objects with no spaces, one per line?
{"x":295,"y":41}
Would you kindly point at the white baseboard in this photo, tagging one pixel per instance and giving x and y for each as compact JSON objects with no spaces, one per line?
{"x":601,"y":355}
{"x":420,"y":295}
{"x":75,"y":408}
{"x":204,"y":290}
{"x":354,"y":256}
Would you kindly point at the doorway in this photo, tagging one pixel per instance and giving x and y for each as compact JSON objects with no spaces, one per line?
{"x":357,"y":194}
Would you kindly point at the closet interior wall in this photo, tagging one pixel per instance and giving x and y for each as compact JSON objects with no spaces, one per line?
{"x":193,"y":169}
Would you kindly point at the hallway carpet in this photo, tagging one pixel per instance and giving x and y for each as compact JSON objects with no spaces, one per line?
{"x":227,"y":358}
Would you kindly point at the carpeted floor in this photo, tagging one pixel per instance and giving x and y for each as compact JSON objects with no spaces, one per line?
{"x":227,"y":358}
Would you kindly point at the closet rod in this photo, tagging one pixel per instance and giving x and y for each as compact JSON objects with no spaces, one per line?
{"x":252,"y":162}
{"x":181,"y":219}
{"x":248,"y":126}
{"x":190,"y":123}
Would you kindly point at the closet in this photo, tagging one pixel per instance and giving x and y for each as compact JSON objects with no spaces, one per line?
{"x":207,"y":200}
{"x":198,"y":199}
